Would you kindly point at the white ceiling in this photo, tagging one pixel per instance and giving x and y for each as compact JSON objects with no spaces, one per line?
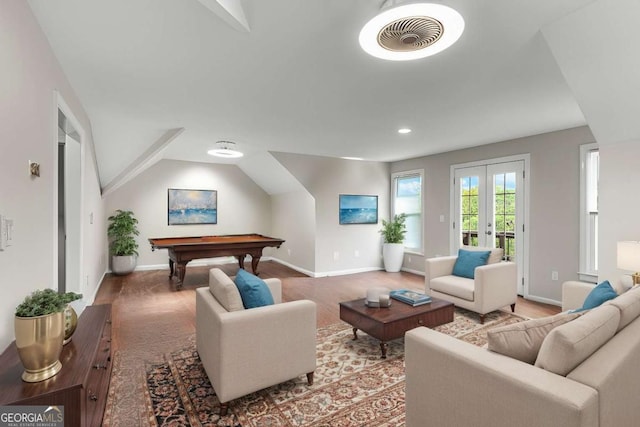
{"x":298,"y":80}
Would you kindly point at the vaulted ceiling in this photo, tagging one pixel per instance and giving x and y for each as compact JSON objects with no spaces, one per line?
{"x":299,"y":82}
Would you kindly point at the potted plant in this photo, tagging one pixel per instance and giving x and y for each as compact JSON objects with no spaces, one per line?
{"x":40,"y":331}
{"x":393,"y":250}
{"x":124,"y":247}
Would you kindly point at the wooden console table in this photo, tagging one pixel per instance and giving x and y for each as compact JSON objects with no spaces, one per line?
{"x":82,"y":384}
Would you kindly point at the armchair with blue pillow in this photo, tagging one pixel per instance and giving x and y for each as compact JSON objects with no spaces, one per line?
{"x":476,"y":279}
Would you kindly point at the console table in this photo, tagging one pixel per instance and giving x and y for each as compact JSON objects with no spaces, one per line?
{"x":82,"y":384}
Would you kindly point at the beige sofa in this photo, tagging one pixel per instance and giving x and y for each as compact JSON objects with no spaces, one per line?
{"x":452,"y":383}
{"x":494,"y":286}
{"x":244,"y":351}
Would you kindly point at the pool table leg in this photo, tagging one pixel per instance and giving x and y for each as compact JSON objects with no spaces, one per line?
{"x":254,"y":264}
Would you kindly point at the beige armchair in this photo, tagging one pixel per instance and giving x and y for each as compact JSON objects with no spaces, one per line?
{"x":494,"y":285}
{"x":244,"y":351}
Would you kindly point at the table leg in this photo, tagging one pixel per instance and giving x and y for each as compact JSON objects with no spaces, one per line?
{"x":240,"y":259}
{"x":254,"y":264}
{"x":383,"y":348}
{"x":171,"y":268}
{"x":181,"y":271}
{"x":355,"y":333}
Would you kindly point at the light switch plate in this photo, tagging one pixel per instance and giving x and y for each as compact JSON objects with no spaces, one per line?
{"x":3,"y":233}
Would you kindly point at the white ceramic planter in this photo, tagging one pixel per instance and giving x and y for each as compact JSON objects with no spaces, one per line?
{"x":392,"y":256}
{"x":122,"y":265}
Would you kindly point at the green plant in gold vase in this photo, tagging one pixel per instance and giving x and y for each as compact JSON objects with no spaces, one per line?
{"x":40,"y":332}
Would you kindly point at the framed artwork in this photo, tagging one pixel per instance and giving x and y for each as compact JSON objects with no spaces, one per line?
{"x":192,"y":206}
{"x":358,"y":209}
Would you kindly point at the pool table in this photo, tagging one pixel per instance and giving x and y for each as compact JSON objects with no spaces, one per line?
{"x":184,"y":249}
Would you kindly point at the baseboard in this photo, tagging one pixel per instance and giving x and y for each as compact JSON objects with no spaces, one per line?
{"x":346,"y":272}
{"x":293,"y":267}
{"x":418,"y":272}
{"x":543,"y":300}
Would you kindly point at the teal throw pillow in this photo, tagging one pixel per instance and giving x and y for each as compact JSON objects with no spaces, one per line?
{"x":598,"y":295}
{"x":467,"y":262}
{"x":253,"y":290}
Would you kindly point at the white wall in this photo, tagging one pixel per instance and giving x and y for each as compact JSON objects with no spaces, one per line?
{"x":294,"y":220}
{"x":29,"y":75}
{"x":326,"y":178}
{"x":243,"y":207}
{"x":554,"y":203}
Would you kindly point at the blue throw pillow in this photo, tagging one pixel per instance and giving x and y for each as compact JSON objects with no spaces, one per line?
{"x":253,"y":290}
{"x":598,"y":295}
{"x":467,"y":262}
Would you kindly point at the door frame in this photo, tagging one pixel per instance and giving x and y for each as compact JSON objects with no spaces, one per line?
{"x":60,"y":104}
{"x":526,"y":158}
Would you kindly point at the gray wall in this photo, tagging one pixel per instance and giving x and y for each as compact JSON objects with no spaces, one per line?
{"x":554,"y":203}
{"x":243,"y":207}
{"x":29,"y":75}
{"x":294,"y":220}
{"x":325,"y":178}
{"x":619,"y":205}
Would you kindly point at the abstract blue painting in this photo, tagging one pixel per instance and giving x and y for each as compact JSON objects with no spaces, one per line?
{"x":193,"y":206}
{"x":358,"y":209}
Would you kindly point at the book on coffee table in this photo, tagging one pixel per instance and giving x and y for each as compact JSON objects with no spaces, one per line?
{"x":410,"y":297}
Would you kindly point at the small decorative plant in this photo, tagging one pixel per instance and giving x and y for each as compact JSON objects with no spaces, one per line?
{"x":122,"y":230}
{"x":45,"y":301}
{"x":393,"y":231}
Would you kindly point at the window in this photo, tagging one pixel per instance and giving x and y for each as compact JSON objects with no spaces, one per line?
{"x":407,"y":199}
{"x":589,"y":174}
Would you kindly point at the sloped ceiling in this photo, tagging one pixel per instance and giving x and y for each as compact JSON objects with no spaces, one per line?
{"x":298,"y":81}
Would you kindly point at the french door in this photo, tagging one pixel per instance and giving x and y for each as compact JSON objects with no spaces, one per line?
{"x":489,"y":210}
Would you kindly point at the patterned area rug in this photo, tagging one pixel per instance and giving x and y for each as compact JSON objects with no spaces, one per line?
{"x":353,"y":386}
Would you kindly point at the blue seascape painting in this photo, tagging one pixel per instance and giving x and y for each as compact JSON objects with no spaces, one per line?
{"x":193,"y":206}
{"x":358,"y":209}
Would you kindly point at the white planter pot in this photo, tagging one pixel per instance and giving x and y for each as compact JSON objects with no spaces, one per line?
{"x":122,"y":265}
{"x":392,"y":255}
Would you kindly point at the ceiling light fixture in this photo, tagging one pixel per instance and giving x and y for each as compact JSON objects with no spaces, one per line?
{"x":226,"y":150}
{"x":404,"y":130}
{"x":411,"y":31}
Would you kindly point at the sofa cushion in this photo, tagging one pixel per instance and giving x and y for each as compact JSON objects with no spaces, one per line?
{"x":253,"y":290}
{"x":467,"y":262}
{"x":453,"y":285}
{"x":522,"y":340}
{"x":494,"y":257}
{"x":568,"y":345}
{"x":629,"y":305}
{"x":224,"y":290}
{"x":598,"y":295}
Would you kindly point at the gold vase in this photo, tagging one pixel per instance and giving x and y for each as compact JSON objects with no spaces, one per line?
{"x":39,"y":342}
{"x":70,"y":323}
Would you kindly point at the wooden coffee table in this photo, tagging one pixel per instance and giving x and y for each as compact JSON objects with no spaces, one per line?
{"x":386,"y":324}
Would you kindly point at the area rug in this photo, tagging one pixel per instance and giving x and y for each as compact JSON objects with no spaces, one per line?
{"x":353,"y":386}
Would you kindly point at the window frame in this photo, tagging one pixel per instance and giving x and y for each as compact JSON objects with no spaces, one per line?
{"x":588,"y":233}
{"x":405,"y":174}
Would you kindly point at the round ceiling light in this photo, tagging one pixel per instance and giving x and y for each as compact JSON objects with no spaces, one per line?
{"x":225,"y":150}
{"x":404,"y":130}
{"x":411,"y":31}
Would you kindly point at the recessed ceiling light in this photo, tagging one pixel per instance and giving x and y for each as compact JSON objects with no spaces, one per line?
{"x":411,"y":31}
{"x":404,"y":130}
{"x":225,"y":150}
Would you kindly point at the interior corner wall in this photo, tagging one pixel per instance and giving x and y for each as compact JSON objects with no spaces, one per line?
{"x":341,"y":249}
{"x":29,"y":76}
{"x":618,"y":205}
{"x":294,"y":220}
{"x":243,"y":207}
{"x":554,"y":203}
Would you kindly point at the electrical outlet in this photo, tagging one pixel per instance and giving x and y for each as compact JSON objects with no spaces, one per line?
{"x":409,"y":259}
{"x":336,"y":255}
{"x":288,"y":252}
{"x":3,"y":234}
{"x":356,"y":253}
{"x":554,"y":275}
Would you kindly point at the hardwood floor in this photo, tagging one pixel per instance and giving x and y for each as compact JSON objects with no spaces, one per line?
{"x":147,"y":303}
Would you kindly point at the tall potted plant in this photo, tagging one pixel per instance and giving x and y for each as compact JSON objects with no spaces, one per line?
{"x":40,"y":331}
{"x":123,"y":227}
{"x":393,"y":250}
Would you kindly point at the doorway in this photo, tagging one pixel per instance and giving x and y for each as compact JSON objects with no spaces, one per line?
{"x":69,"y":207}
{"x":490,"y":209}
